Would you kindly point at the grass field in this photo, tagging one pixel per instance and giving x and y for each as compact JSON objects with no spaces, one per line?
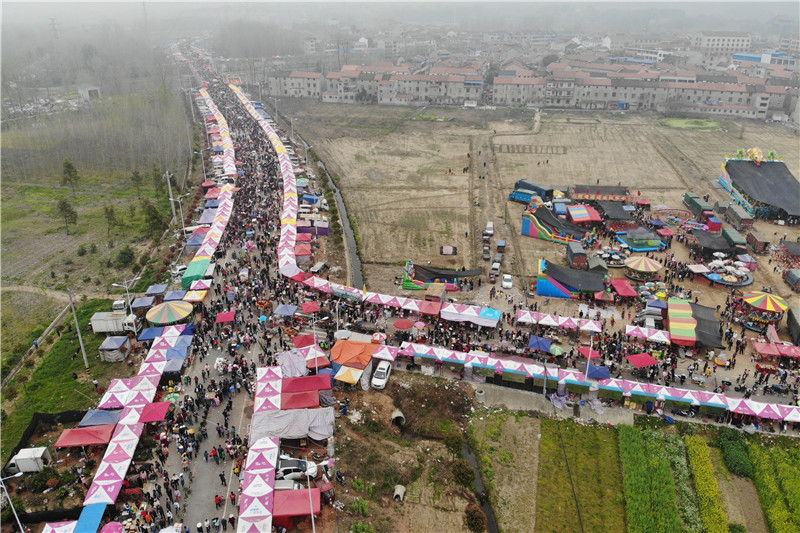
{"x":695,"y":124}
{"x":50,"y":388}
{"x":593,"y":455}
{"x":25,"y":316}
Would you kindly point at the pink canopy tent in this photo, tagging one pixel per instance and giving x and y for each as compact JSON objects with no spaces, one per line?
{"x":641,"y":360}
{"x":225,"y":317}
{"x":310,"y":307}
{"x":589,"y":353}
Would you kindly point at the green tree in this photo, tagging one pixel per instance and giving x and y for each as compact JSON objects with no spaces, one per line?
{"x":69,"y":175}
{"x":138,"y":180}
{"x":463,"y":473}
{"x":125,"y":257}
{"x":153,"y":220}
{"x":453,"y":442}
{"x":158,"y":180}
{"x":64,"y":209}
{"x":549,"y":58}
{"x":111,"y":217}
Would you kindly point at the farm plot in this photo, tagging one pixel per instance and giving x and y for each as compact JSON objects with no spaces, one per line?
{"x":509,"y":449}
{"x":777,"y":477}
{"x":594,"y":473}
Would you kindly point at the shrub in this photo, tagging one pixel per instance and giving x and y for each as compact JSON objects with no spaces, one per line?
{"x":360,"y":506}
{"x":93,"y":248}
{"x":362,"y":527}
{"x":475,"y":518}
{"x":735,"y":452}
{"x":463,"y":473}
{"x":53,"y":482}
{"x":125,"y":257}
{"x":708,"y":494}
{"x":81,"y":250}
{"x":10,"y":392}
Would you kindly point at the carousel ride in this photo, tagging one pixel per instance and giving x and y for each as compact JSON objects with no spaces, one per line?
{"x":763,"y":310}
{"x":641,"y":268}
{"x":613,"y":256}
{"x":728,"y":272}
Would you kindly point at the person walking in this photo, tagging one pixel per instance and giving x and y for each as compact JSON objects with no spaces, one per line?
{"x":222,"y":479}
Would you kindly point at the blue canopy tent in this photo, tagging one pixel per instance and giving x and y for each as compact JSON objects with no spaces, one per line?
{"x":539,"y":343}
{"x":285,"y":310}
{"x":174,"y":296}
{"x":142,"y":302}
{"x":183,"y":340}
{"x":208,"y":216}
{"x":212,"y":203}
{"x":100,"y":417}
{"x":149,"y":334}
{"x":177,"y":353}
{"x":196,"y":239}
{"x":174,"y":365}
{"x":597,"y":372}
{"x":91,"y":516}
{"x":189,"y":330}
{"x":156,"y":289}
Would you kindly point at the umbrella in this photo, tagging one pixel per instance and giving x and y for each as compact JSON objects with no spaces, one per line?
{"x":556,"y":350}
{"x":719,"y":254}
{"x":419,"y":325}
{"x":642,"y":264}
{"x":763,"y":301}
{"x":740,"y":263}
{"x":715,"y":277}
{"x":172,"y":397}
{"x":262,"y":318}
{"x":169,"y":312}
{"x":403,"y":323}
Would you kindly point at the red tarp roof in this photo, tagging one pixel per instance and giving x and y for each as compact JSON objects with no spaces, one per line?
{"x":352,"y":353}
{"x":86,"y":436}
{"x":666,"y":232}
{"x":641,"y":360}
{"x":302,"y":249}
{"x":789,"y":350}
{"x":765,"y":348}
{"x":300,"y":400}
{"x":430,"y":308}
{"x":213,"y":193}
{"x":301,"y":341}
{"x":303,"y":237}
{"x":306,"y":383}
{"x":295,"y":502}
{"x":623,"y":288}
{"x":154,"y":412}
{"x":588,"y":352}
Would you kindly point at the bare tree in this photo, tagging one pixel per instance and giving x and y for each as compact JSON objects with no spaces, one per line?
{"x":65,"y":209}
{"x":138,"y":180}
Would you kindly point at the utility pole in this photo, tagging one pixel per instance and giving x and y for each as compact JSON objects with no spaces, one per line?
{"x":169,"y":187}
{"x":78,"y":331}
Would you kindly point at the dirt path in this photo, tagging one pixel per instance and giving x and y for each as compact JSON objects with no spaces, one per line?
{"x":56,"y":295}
{"x":739,"y":497}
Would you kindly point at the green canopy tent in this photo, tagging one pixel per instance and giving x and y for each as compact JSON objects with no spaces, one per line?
{"x":195,"y":271}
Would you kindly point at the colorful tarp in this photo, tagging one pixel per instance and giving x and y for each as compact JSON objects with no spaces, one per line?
{"x":169,"y":312}
{"x":641,"y":263}
{"x":764,"y":301}
{"x":681,"y":323}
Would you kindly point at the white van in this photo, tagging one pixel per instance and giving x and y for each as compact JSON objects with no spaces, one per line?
{"x":489,"y":229}
{"x":319,"y":268}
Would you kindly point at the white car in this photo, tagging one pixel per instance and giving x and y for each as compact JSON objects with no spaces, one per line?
{"x":508,"y":281}
{"x":295,"y":469}
{"x":381,"y":375}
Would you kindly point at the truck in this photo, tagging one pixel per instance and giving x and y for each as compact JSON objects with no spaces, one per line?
{"x":576,"y":256}
{"x":696,"y":204}
{"x":115,"y":322}
{"x":523,"y":196}
{"x":29,"y":460}
{"x":733,"y":237}
{"x":738,"y":217}
{"x":792,"y":278}
{"x":758,"y":242}
{"x":544,"y":192}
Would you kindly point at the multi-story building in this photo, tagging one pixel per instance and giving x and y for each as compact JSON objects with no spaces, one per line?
{"x":295,"y":84}
{"x":719,"y":46}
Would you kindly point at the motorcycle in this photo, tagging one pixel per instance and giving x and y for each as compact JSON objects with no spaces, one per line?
{"x":319,"y":456}
{"x":689,"y":413}
{"x":340,"y":478}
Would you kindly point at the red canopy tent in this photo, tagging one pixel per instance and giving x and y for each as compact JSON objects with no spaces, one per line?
{"x":641,"y":360}
{"x":86,"y":436}
{"x":666,"y":232}
{"x":154,"y":412}
{"x":225,"y":317}
{"x":430,"y":308}
{"x":588,"y":352}
{"x":295,"y":502}
{"x":765,"y":348}
{"x":301,"y":341}
{"x":299,"y":400}
{"x":623,"y":288}
{"x":787,"y":350}
{"x":303,"y":237}
{"x":306,"y":383}
{"x":310,"y":307}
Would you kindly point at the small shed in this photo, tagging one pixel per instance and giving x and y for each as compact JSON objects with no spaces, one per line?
{"x":596,"y":264}
{"x":29,"y":460}
{"x":115,"y":348}
{"x":435,"y":292}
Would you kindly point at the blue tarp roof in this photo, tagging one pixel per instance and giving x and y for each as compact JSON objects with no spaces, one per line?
{"x":143,"y":301}
{"x":149,"y":334}
{"x":157,"y":289}
{"x":208,"y":216}
{"x":285,"y":310}
{"x":89,"y":521}
{"x":657,"y":304}
{"x":189,"y":330}
{"x":174,"y":295}
{"x":539,"y":343}
{"x":183,"y":340}
{"x":212,"y":203}
{"x":598,"y":372}
{"x":492,"y":314}
{"x":113,"y":343}
{"x":100,"y":417}
{"x":196,"y":239}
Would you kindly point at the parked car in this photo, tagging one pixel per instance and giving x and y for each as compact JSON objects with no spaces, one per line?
{"x":508,"y":281}
{"x":295,"y":469}
{"x":487,"y":254}
{"x":381,"y":375}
